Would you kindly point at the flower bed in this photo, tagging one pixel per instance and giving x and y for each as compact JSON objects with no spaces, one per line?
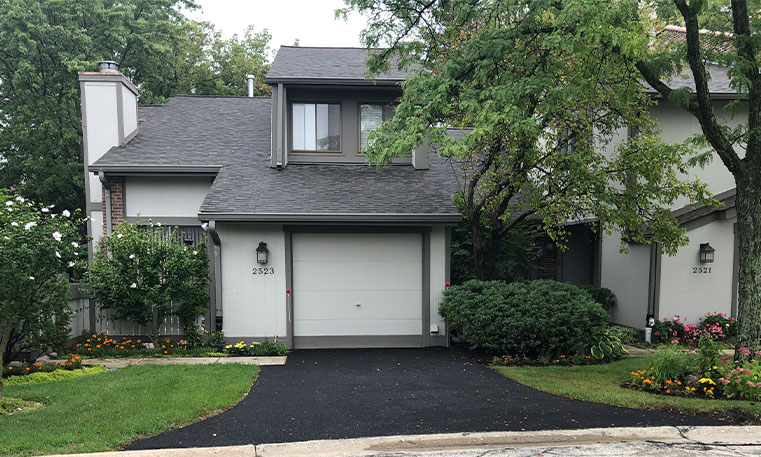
{"x":103,"y":346}
{"x":74,"y":362}
{"x":717,"y":326}
{"x":256,"y":349}
{"x":703,"y":372}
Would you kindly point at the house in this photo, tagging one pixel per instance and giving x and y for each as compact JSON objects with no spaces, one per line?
{"x":646,"y":281}
{"x":308,"y":244}
{"x":314,"y":247}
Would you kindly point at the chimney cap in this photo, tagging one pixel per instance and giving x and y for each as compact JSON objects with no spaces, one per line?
{"x":250,"y":77}
{"x":108,"y":66}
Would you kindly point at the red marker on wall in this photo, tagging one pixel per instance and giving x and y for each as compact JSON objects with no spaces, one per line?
{"x":288,"y":291}
{"x":446,"y":285}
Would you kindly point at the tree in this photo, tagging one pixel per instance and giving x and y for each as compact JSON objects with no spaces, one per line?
{"x":741,"y":57}
{"x":145,"y":275}
{"x":545,"y":87}
{"x":37,"y":246}
{"x":44,"y":43}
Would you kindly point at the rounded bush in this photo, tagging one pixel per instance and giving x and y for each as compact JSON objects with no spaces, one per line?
{"x":533,"y":319}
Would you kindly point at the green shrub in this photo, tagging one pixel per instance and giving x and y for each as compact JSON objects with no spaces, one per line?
{"x":744,"y":382}
{"x":57,"y":375}
{"x":601,"y":295}
{"x":670,"y":363}
{"x":533,"y":319}
{"x":627,"y":335}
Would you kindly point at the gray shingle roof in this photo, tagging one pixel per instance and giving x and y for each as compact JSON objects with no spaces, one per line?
{"x":232,"y":134}
{"x":690,"y":213}
{"x":718,"y":82}
{"x":296,"y":63}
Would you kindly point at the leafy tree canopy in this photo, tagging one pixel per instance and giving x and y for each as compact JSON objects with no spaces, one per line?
{"x":558,"y":126}
{"x":44,"y":43}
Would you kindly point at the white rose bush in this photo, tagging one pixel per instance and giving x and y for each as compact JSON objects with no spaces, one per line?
{"x":38,"y":246}
{"x":144,"y":274}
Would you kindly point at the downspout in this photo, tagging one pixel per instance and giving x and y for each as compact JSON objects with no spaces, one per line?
{"x":212,"y":230}
{"x":107,"y":187}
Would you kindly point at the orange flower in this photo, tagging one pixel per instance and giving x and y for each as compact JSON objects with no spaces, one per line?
{"x":668,"y":382}
{"x":166,"y":352}
{"x":668,"y":391}
{"x":679,"y":383}
{"x":10,"y":368}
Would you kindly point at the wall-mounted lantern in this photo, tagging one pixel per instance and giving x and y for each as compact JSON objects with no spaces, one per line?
{"x":261,"y":253}
{"x":706,"y":253}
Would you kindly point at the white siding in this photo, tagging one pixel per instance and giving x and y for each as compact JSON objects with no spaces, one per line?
{"x":129,"y":110}
{"x":165,"y":197}
{"x":692,"y":295}
{"x":627,"y":275}
{"x":102,"y":126}
{"x":252,"y":305}
{"x":438,"y":275}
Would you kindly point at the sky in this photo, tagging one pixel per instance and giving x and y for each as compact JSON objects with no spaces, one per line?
{"x":311,"y":21}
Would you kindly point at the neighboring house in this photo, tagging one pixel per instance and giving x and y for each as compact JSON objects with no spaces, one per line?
{"x":645,"y":281}
{"x":356,"y":256}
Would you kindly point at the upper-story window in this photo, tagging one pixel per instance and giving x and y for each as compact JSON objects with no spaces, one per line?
{"x":316,"y":127}
{"x":371,"y":116}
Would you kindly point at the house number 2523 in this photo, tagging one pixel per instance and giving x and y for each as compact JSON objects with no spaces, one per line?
{"x":699,"y":270}
{"x":264,"y":271}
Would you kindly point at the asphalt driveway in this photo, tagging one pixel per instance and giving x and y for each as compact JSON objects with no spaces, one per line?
{"x":330,"y":394}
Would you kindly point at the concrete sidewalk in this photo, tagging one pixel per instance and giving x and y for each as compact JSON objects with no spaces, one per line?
{"x":112,"y":364}
{"x":640,"y":441}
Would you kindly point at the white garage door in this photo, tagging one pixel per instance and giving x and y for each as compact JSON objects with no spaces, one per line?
{"x":357,"y":289}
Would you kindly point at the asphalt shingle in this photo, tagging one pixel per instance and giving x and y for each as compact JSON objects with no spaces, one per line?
{"x":233,"y":133}
{"x":295,"y":62}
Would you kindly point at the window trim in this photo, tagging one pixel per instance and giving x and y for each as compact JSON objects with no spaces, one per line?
{"x":315,"y":102}
{"x":359,"y":118}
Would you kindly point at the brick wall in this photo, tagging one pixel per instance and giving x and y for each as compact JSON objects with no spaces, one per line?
{"x":117,"y":201}
{"x":547,"y":263}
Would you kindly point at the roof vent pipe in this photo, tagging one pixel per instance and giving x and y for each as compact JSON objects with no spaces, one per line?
{"x":108,"y":66}
{"x":250,"y":79}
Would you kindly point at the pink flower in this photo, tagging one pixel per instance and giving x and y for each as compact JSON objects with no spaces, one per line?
{"x":750,"y":383}
{"x":758,"y":384}
{"x":744,"y":351}
{"x":737,"y":381}
{"x":757,"y":352}
{"x":724,"y":381}
{"x":746,"y":371}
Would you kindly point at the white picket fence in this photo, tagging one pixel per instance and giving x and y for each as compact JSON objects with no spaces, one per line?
{"x":105,"y":322}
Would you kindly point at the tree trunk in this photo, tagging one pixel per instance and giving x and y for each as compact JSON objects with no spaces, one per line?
{"x":476,"y":234}
{"x":7,"y":329}
{"x":749,"y":238}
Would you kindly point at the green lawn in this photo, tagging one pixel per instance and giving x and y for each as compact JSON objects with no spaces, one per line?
{"x":602,"y":384}
{"x":105,"y":411}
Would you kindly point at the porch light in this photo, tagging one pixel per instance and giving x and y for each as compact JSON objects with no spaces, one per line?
{"x":706,"y":253}
{"x":261,"y":253}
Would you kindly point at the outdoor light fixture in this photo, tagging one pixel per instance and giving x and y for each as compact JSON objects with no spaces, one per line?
{"x":261,"y":253}
{"x":706,"y":253}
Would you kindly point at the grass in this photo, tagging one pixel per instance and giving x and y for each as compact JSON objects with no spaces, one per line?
{"x":104,"y":412}
{"x":602,"y":384}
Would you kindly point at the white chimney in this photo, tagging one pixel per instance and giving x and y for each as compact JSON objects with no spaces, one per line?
{"x":109,"y":118}
{"x":250,"y":79}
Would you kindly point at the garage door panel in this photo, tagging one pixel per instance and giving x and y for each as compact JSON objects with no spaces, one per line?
{"x":357,"y":275}
{"x":351,"y":246}
{"x":378,"y":304}
{"x":347,"y":327}
{"x":333,"y":272}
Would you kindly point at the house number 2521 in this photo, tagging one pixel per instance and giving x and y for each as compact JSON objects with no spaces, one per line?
{"x":264,"y":271}
{"x":699,"y":270}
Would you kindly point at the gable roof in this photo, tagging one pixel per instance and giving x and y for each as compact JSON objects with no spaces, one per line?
{"x":326,"y":66}
{"x":230,"y":137}
{"x":688,"y":215}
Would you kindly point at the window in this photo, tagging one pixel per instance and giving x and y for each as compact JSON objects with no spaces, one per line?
{"x":371,"y":116}
{"x":316,"y":127}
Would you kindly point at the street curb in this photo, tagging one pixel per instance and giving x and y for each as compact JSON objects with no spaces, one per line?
{"x":416,"y":444}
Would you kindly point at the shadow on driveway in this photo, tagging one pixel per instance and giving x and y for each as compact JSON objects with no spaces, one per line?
{"x":350,"y":393}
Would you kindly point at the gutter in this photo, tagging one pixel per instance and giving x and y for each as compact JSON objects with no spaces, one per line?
{"x":107,"y":187}
{"x":361,"y":218}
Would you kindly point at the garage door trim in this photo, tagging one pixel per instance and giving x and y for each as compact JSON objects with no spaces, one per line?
{"x":369,"y":340}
